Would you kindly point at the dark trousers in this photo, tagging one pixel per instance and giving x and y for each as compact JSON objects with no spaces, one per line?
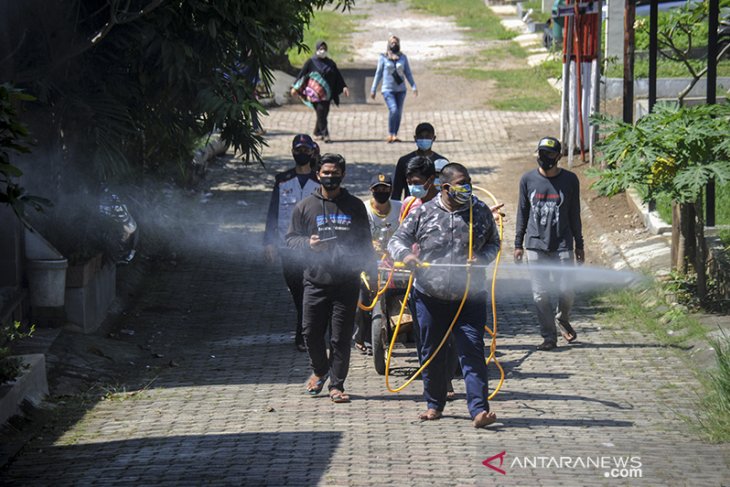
{"x":323,"y":109}
{"x":434,"y":318}
{"x":364,"y":319}
{"x":294,"y":276}
{"x":321,"y":303}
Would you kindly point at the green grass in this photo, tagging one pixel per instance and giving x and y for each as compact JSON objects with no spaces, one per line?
{"x":714,"y":416}
{"x":646,"y":311}
{"x":665,"y":68}
{"x":333,"y":27}
{"x":638,"y":310}
{"x":523,"y":89}
{"x":503,"y":51}
{"x":473,"y":14}
{"x":722,"y":206}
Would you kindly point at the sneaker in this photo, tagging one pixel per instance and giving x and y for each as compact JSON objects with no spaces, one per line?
{"x":547,"y":345}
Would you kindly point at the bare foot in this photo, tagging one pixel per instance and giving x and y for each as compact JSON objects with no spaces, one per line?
{"x":484,"y":419}
{"x":430,"y":415}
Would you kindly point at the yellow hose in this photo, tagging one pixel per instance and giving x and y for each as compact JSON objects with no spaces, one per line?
{"x":492,"y":332}
{"x":448,"y":332}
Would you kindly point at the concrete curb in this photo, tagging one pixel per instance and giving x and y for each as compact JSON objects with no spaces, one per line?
{"x":652,"y":221}
{"x":31,"y":385}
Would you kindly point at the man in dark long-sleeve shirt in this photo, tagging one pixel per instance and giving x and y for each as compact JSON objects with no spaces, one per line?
{"x":549,"y":228}
{"x":424,"y":137}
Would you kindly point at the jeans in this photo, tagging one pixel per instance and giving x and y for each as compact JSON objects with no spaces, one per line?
{"x":546,"y":279}
{"x":322,"y":108}
{"x":395,"y":101}
{"x":321,"y":303}
{"x":434,"y":318}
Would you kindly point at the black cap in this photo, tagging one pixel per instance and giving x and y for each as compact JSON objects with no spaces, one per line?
{"x":549,"y":144}
{"x":303,"y":140}
{"x":379,"y":179}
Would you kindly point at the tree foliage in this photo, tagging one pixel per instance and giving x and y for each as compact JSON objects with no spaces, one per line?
{"x":681,"y":32}
{"x":14,"y":140}
{"x":136,"y":82}
{"x":672,"y":151}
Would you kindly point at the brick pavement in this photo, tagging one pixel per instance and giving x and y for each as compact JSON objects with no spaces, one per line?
{"x":233,"y":411}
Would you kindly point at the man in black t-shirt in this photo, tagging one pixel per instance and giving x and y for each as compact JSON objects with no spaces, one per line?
{"x":424,"y":137}
{"x":548,"y":228}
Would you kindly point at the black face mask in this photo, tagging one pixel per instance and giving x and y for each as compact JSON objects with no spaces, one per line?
{"x":302,"y":159}
{"x":545,"y":162}
{"x":395,"y":48}
{"x":381,"y":197}
{"x":330,"y":182}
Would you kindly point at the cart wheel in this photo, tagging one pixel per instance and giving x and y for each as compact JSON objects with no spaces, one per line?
{"x":380,"y":342}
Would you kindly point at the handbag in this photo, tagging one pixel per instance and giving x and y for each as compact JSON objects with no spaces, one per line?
{"x":396,"y":77}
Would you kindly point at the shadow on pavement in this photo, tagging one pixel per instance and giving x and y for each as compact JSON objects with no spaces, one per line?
{"x":286,"y":458}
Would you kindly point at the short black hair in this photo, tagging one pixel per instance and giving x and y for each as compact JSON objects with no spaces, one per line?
{"x":424,"y":127}
{"x":451,"y":171}
{"x":329,"y":158}
{"x":420,"y":165}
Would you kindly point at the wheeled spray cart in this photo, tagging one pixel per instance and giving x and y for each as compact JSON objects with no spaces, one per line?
{"x":385,"y":314}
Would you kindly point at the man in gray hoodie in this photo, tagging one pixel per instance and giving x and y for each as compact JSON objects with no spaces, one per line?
{"x":440,"y":229}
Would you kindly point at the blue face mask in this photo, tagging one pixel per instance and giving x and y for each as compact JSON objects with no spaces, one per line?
{"x":437,"y":183}
{"x":417,"y":190}
{"x":424,"y":144}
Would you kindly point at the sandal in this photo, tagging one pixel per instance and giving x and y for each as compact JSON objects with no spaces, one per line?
{"x":567,"y":331}
{"x":315,"y":384}
{"x":338,"y":396}
{"x":362,"y":348}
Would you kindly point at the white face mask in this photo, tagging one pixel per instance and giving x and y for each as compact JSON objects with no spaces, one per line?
{"x":322,"y":53}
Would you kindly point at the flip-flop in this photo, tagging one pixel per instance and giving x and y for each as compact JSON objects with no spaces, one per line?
{"x":339,"y":396}
{"x":567,"y":331}
{"x":362,"y":348}
{"x":315,"y":384}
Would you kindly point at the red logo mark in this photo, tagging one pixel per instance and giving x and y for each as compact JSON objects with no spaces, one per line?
{"x":488,"y":462}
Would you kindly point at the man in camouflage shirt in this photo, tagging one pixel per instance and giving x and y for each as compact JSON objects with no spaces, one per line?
{"x":440,"y":230}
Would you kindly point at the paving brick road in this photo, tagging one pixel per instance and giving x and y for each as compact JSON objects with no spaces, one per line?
{"x":233,"y":411}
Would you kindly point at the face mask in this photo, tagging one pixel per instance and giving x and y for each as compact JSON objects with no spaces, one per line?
{"x":322,"y":53}
{"x":460,"y":193}
{"x":424,"y":144}
{"x":330,"y":182}
{"x":302,"y":159}
{"x":395,"y":48}
{"x":437,"y":183}
{"x":381,"y":197}
{"x":417,"y":190}
{"x":546,"y":162}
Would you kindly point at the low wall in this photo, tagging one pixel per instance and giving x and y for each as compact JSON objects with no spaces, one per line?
{"x":87,"y":305}
{"x":612,"y":88}
{"x":31,"y":385}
